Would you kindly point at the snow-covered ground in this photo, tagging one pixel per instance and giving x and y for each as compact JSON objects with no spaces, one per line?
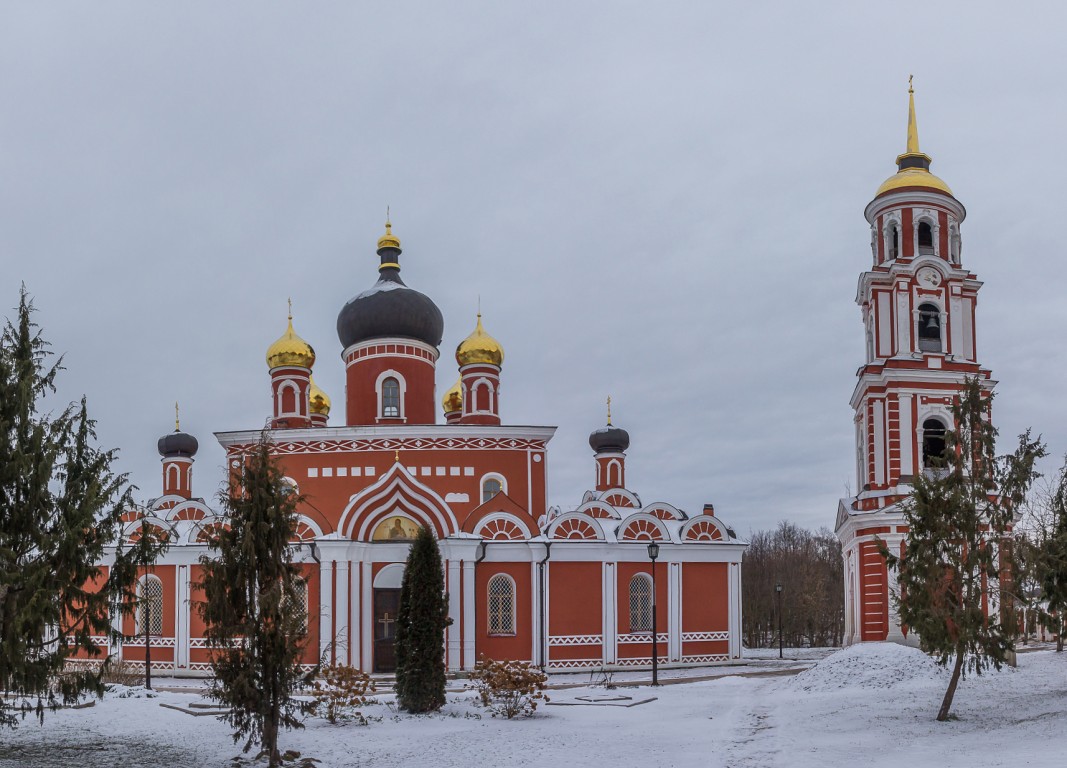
{"x":870,"y":705}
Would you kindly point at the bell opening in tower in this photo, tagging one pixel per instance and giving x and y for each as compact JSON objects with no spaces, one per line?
{"x":926,"y":239}
{"x":929,"y":328}
{"x":933,"y":444}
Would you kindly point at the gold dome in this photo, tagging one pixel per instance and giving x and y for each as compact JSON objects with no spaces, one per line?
{"x":913,"y":167}
{"x":318,"y":400}
{"x":480,"y":348}
{"x":388,"y":240}
{"x":453,"y":399}
{"x":290,"y":349}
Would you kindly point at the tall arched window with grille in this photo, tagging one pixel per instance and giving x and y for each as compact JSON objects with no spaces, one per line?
{"x":641,"y":603}
{"x":501,"y":605}
{"x":390,"y":397}
{"x":297,"y":603}
{"x":150,"y":608}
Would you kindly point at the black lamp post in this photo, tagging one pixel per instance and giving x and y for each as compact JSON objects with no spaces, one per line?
{"x":778,"y":590}
{"x":146,"y":606}
{"x":653,"y":553}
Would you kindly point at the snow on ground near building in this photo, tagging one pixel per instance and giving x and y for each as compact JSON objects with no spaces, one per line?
{"x":870,"y":705}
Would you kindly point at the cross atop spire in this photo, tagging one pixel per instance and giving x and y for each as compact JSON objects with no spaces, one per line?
{"x":177,"y":425}
{"x":609,"y":410}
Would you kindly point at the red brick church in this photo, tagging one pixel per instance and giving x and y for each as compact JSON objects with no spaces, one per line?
{"x":564,"y":589}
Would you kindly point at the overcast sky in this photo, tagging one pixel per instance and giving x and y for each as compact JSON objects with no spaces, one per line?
{"x":658,"y":201}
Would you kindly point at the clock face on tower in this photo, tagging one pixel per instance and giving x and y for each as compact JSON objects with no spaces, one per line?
{"x":929,"y":276}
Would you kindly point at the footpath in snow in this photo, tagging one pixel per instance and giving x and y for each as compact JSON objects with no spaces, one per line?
{"x":870,"y":705}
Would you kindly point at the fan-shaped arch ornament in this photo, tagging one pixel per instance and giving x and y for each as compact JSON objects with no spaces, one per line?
{"x":575,"y":528}
{"x":703,"y":530}
{"x":501,"y":529}
{"x":642,"y":530}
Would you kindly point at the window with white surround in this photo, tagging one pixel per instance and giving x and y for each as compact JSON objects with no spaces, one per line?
{"x":501,"y":605}
{"x":641,"y":603}
{"x":933,"y":443}
{"x":150,"y":609}
{"x":390,"y":398}
{"x":491,"y":486}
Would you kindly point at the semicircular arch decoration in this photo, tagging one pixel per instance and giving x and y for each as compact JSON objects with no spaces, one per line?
{"x":703,"y":530}
{"x":620,"y":498}
{"x":599,"y":509}
{"x":502,"y":528}
{"x":664,"y":511}
{"x":575,"y":528}
{"x":205,"y":534}
{"x":642,"y":529}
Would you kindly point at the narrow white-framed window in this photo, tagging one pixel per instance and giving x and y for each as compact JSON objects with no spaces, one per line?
{"x":641,"y":603}
{"x":491,"y":486}
{"x":150,"y":607}
{"x":390,"y":398}
{"x":501,"y":603}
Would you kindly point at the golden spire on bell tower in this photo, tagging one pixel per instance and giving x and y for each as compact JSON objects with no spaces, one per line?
{"x":913,"y":130}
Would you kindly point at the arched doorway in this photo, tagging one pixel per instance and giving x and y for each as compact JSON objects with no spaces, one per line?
{"x":386,"y":605}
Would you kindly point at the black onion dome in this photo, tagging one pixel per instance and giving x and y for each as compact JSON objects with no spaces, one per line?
{"x":609,"y":438}
{"x":389,"y":308}
{"x":177,"y":444}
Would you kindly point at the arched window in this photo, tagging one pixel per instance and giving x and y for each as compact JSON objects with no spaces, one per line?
{"x":501,"y":605}
{"x":490,"y":488}
{"x":150,"y":608}
{"x":641,"y":603}
{"x":926,"y":238}
{"x":929,"y":328}
{"x":933,"y":444}
{"x":296,"y":604}
{"x":894,"y":241}
{"x":390,"y":397}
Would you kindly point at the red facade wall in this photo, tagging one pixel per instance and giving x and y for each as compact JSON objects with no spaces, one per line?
{"x":419,"y":398}
{"x":519,"y":645}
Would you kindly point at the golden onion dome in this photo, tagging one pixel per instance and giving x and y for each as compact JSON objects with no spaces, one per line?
{"x":913,"y":167}
{"x":290,"y":349}
{"x":480,"y":348}
{"x":318,"y":400}
{"x":388,"y":240}
{"x":453,"y":399}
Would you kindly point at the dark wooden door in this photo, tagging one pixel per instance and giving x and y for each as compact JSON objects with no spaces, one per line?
{"x":386,"y":604}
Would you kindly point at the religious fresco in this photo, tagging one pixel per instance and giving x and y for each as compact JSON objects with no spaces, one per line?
{"x":395,"y":528}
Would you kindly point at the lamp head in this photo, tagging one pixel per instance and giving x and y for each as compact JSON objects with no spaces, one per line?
{"x":653,"y":551}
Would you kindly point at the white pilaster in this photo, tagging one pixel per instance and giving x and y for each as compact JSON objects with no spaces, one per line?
{"x":895,"y":634}
{"x":734,"y":586}
{"x":366,"y":610}
{"x":342,"y":653}
{"x":610,"y":625}
{"x":907,"y":461}
{"x":470,"y":626}
{"x":325,"y":607}
{"x":455,"y":597}
{"x":674,"y":612}
{"x":181,"y":624}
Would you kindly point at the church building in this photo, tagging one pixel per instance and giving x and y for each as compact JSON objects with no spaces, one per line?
{"x":919,"y":315}
{"x":566,"y":589}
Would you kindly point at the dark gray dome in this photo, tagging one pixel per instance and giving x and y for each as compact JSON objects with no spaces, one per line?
{"x":390,"y":309}
{"x":609,"y":438}
{"x":177,"y":444}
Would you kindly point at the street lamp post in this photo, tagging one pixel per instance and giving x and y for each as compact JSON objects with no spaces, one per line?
{"x":653,"y":553}
{"x":778,"y":590}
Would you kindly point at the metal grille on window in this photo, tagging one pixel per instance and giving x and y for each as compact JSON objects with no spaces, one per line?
{"x":390,"y":397}
{"x":641,"y":603}
{"x":151,"y":618}
{"x":297,"y":603}
{"x":490,"y":488}
{"x":501,"y":606}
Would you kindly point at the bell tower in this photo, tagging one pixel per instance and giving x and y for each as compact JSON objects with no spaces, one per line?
{"x":918,"y":304}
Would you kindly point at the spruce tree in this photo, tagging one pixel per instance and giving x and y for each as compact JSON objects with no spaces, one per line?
{"x":421,"y":621}
{"x":957,"y":548}
{"x":60,"y":507}
{"x":254,"y":623}
{"x":1051,"y":557}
